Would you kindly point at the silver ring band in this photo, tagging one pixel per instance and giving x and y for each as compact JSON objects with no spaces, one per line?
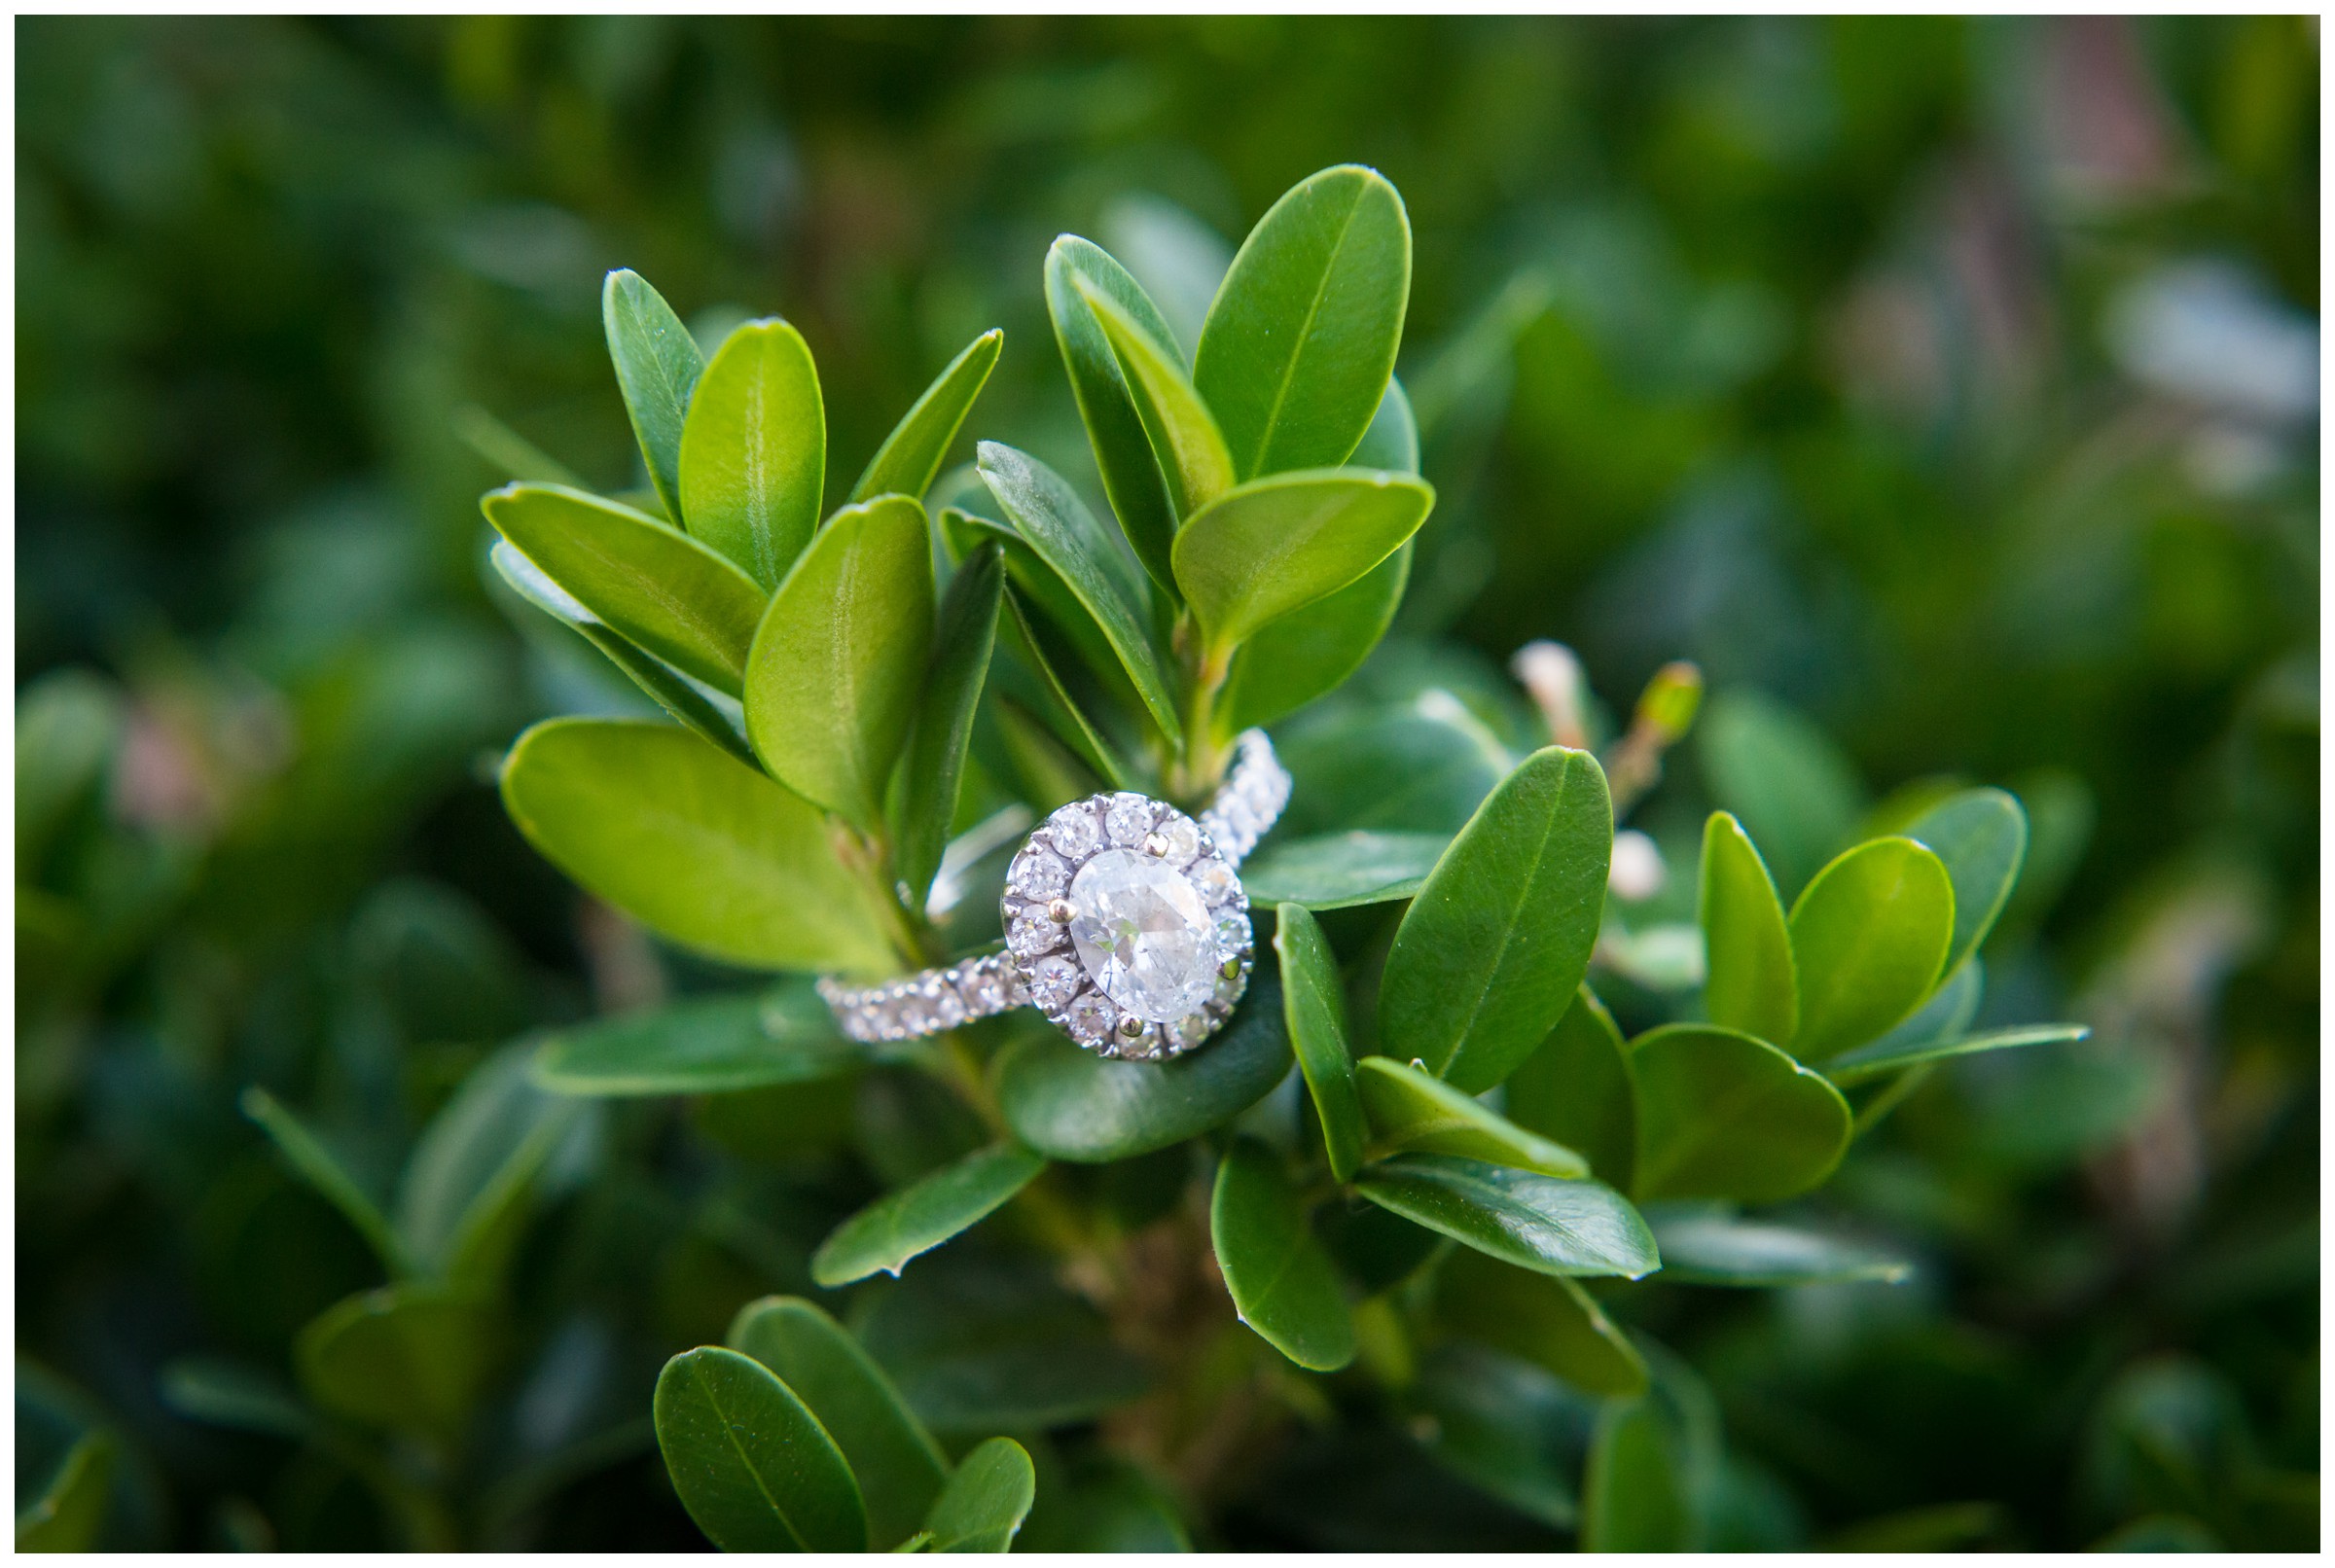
{"x":1118,"y":1010}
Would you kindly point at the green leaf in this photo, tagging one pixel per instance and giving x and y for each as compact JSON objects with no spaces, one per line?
{"x":322,"y":1170}
{"x":1392,"y":439}
{"x":938,"y":738}
{"x":655,"y":585}
{"x":1416,"y":769}
{"x":1491,"y":949}
{"x":832,"y":682}
{"x":476,"y":1164}
{"x":1783,"y":778}
{"x":704,"y":1046}
{"x":1300,"y":343}
{"x":1709,"y":1250}
{"x":1723,"y":1114}
{"x":69,"y":1509}
{"x":1869,"y":940}
{"x":1501,"y":1424}
{"x":1070,"y":1104}
{"x":1885,"y":1057}
{"x":1980,"y":836}
{"x":1541,"y":1223}
{"x":1409,"y":1111}
{"x":1634,"y":1492}
{"x":1336,"y":871}
{"x":986,"y":1501}
{"x":1183,"y":434}
{"x":1576,"y":1090}
{"x":695,"y":845}
{"x":69,"y":723}
{"x":1746,"y":946}
{"x":899,"y":1467}
{"x":657,"y":367}
{"x":1553,"y":1322}
{"x":1310,"y":652}
{"x":1132,"y":480}
{"x":1059,"y":711}
{"x":912,"y":455}
{"x":1278,"y":544}
{"x":754,"y":450}
{"x":1280,"y":1279}
{"x":884,"y":1236}
{"x":753,"y":1466}
{"x":1051,"y":520}
{"x":707,"y":709}
{"x":412,"y":1357}
{"x":227,"y":1394}
{"x":1315,"y":1003}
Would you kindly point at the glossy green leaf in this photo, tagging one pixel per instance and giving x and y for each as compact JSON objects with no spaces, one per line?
{"x":1885,"y":1057}
{"x":1068,"y":1103}
{"x":1712,"y":1250}
{"x":932,"y":768}
{"x":703,"y":1045}
{"x":1132,"y":480}
{"x":1722,"y":1114}
{"x":1747,"y":949}
{"x":1300,"y":343}
{"x":1503,"y":1425}
{"x":899,"y":1467}
{"x":1783,"y":778}
{"x":1334,"y":870}
{"x":986,"y":1501}
{"x":1980,"y":836}
{"x":653,"y":584}
{"x":695,"y":845}
{"x":1051,"y":520}
{"x":912,"y":455}
{"x":1416,"y":769}
{"x":1409,"y":1111}
{"x":704,"y":709}
{"x":884,"y":1236}
{"x":321,"y":1169}
{"x":1310,"y":652}
{"x":1392,"y":439}
{"x":1575,"y":1089}
{"x":833,"y":680}
{"x":1869,"y":942}
{"x":1058,"y":709}
{"x":1553,"y":1322}
{"x":1542,"y":1223}
{"x":1491,"y":949}
{"x":751,"y":1464}
{"x":1279,"y":1277}
{"x":476,"y":1166}
{"x":1184,"y":440}
{"x":1314,"y":1000}
{"x":1280,"y":543}
{"x":413,"y":1357}
{"x":658,"y":364}
{"x":754,"y":450}
{"x":977,"y":1342}
{"x":1634,"y":1491}
{"x":68,"y":1512}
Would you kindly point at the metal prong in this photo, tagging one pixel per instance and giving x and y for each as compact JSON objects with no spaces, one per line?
{"x":1155,"y":844}
{"x":1131,"y":1027}
{"x":1059,"y":911}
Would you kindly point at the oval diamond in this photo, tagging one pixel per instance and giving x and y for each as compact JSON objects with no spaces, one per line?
{"x":1142,"y":930}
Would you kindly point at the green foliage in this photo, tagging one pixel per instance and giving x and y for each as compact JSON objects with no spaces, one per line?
{"x":753,"y":1466}
{"x":754,"y":450}
{"x":1281,"y":1280}
{"x":884,"y":1236}
{"x":986,"y":1501}
{"x":1315,"y":1002}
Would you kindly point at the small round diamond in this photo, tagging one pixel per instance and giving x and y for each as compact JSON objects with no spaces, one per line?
{"x":1214,"y":879}
{"x":1039,"y":873}
{"x":916,"y":1013}
{"x":946,"y":1006}
{"x":1182,"y":838}
{"x":1032,"y":933}
{"x":985,"y":988}
{"x":1053,"y":982}
{"x":1231,"y":930}
{"x":1191,"y":1031}
{"x":1092,"y":1018}
{"x":1074,"y":832}
{"x":1130,"y":818}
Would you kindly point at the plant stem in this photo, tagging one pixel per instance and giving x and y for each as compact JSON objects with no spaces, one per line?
{"x":1202,"y":766}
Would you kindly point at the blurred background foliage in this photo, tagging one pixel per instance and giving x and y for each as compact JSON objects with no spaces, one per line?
{"x":1953,"y":383}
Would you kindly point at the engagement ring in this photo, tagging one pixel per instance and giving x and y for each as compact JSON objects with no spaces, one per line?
{"x":1125,"y":924}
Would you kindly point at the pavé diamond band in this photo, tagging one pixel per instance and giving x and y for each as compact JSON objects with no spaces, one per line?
{"x":1124,"y":925}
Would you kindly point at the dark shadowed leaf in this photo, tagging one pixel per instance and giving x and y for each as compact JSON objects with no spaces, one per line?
{"x":942,"y":731}
{"x":476,"y":1168}
{"x":1541,"y":1223}
{"x":1392,"y":439}
{"x":884,"y":1236}
{"x":913,"y":453}
{"x":1721,"y":1115}
{"x":1494,"y":944}
{"x":1504,"y":1425}
{"x":1404,"y":769}
{"x":322,"y":1169}
{"x":1556,"y":1324}
{"x":412,"y":1357}
{"x":986,"y":1501}
{"x":1280,"y":1279}
{"x":1334,"y":870}
{"x":1315,"y":1001}
{"x":1576,"y":1090}
{"x":1634,"y":1491}
{"x":703,"y":1045}
{"x":657,"y":367}
{"x":751,"y":1464}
